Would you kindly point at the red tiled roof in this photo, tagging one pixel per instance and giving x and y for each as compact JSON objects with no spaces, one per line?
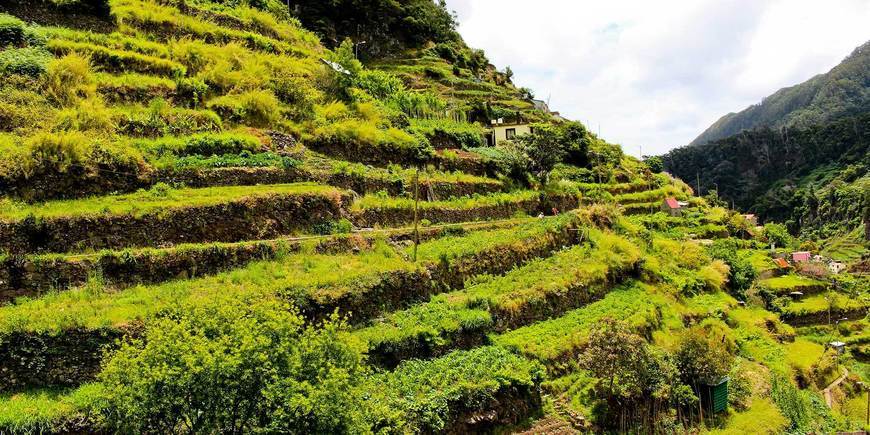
{"x":672,"y":203}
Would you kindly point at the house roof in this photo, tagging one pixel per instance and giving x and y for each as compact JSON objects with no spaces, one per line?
{"x":780,"y":262}
{"x":800,"y":256}
{"x":672,"y":203}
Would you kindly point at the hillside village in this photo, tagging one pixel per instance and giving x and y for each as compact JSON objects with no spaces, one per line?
{"x":215,"y":220}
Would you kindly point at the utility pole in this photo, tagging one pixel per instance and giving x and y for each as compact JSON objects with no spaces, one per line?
{"x":698,"y":183}
{"x":416,"y":212}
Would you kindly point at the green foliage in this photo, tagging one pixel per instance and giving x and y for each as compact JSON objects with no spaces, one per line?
{"x":28,"y":61}
{"x":443,"y":133}
{"x":113,"y":60}
{"x":48,"y":410}
{"x":423,"y":396}
{"x":11,"y":30}
{"x":235,"y":365}
{"x":549,"y":340}
{"x":200,"y":144}
{"x":69,"y":78}
{"x":705,"y":353}
{"x":816,"y":183}
{"x":384,"y":25}
{"x":741,"y":272}
{"x":778,"y":235}
{"x":161,"y":119}
{"x":254,"y":108}
{"x":65,"y":150}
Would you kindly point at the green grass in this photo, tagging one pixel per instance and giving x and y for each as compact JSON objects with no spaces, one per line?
{"x":45,"y":410}
{"x":820,"y":303}
{"x":424,"y":393}
{"x":450,"y":247}
{"x":143,"y":202}
{"x":301,"y":277}
{"x":802,"y":354}
{"x":574,"y":269}
{"x":788,"y":283}
{"x":377,"y":202}
{"x":709,"y":304}
{"x":763,"y":417}
{"x":549,"y":340}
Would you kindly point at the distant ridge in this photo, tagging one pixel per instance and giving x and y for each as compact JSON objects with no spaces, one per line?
{"x":843,"y":91}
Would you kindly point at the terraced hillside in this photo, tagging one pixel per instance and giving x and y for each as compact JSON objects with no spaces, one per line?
{"x":210,"y":222}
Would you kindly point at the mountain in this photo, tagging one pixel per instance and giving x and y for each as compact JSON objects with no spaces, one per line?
{"x":840,"y":92}
{"x":800,"y":157}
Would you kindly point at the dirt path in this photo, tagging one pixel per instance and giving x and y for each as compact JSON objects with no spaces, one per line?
{"x":829,"y":398}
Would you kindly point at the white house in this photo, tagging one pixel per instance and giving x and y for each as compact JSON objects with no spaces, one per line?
{"x":836,"y":267}
{"x":500,"y":131}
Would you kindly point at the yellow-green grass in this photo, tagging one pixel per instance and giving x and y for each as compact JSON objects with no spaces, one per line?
{"x":375,"y":202}
{"x":820,"y":303}
{"x":447,"y":248}
{"x":635,"y":303}
{"x":790,"y":283}
{"x":848,"y":247}
{"x":802,"y":354}
{"x":469,"y":309}
{"x":762,"y":417}
{"x":760,"y":260}
{"x":709,"y":305}
{"x":303,"y":276}
{"x":143,"y":202}
{"x":41,"y":410}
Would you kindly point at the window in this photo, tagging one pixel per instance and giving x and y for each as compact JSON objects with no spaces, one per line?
{"x":510,"y":133}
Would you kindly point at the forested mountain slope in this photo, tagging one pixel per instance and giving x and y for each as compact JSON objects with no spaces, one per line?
{"x":843,"y":91}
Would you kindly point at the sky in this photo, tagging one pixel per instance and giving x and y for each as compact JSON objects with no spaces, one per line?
{"x":652,"y":75}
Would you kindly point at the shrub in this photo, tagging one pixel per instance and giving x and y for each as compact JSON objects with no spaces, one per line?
{"x":201,"y":144}
{"x":447,"y":133}
{"x":257,"y":108}
{"x":134,"y":87}
{"x":235,"y":366}
{"x":11,"y":30}
{"x":24,"y":61}
{"x":69,"y":78}
{"x":87,"y":115}
{"x":109,"y":59}
{"x":161,"y":119}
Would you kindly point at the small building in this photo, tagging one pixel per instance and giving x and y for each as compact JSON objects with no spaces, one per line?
{"x":714,"y":395}
{"x":500,"y":132}
{"x":801,"y":257}
{"x":781,"y":263}
{"x":752,"y":219}
{"x":836,"y":267}
{"x":672,"y":207}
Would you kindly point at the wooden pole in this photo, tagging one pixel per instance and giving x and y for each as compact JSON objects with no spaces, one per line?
{"x":416,"y":212}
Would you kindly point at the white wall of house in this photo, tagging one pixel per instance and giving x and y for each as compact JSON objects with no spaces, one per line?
{"x":505,"y":132}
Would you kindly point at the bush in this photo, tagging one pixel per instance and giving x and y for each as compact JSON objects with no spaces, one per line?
{"x":69,"y":78}
{"x":87,"y":115}
{"x":29,"y":62}
{"x":255,"y":108}
{"x":235,"y":366}
{"x":161,"y":119}
{"x":201,"y":144}
{"x":11,"y":30}
{"x":447,"y":133}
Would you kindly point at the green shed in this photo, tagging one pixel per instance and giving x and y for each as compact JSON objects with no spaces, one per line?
{"x":714,"y":395}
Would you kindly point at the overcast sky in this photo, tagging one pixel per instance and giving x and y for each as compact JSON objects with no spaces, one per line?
{"x":657,"y":73}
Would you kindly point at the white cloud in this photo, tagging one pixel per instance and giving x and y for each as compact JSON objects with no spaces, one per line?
{"x":656,"y":74}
